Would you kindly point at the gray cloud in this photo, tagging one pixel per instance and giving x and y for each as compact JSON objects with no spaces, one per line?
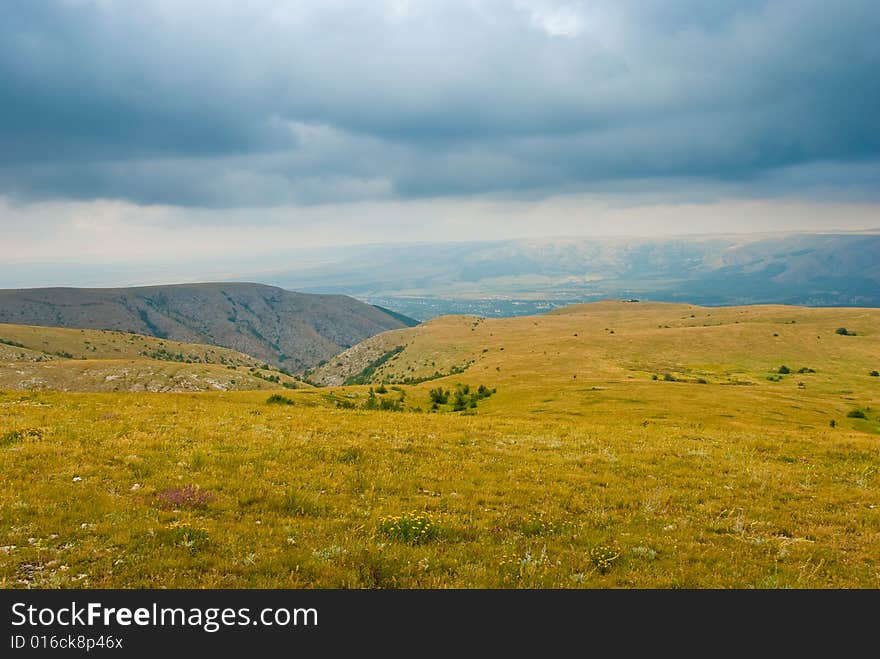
{"x":266,"y":103}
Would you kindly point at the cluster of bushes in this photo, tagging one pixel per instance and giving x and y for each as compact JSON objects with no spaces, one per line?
{"x":669,"y":377}
{"x":463,"y":397}
{"x":385,"y":403}
{"x":272,"y":377}
{"x":365,"y":375}
{"x":161,"y":354}
{"x":268,"y":378}
{"x":436,"y":375}
{"x":785,"y":370}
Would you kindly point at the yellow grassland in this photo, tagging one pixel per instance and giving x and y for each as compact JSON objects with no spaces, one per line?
{"x":581,"y":471}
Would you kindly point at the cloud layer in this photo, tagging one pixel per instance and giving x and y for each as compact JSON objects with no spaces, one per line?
{"x":242,"y":105}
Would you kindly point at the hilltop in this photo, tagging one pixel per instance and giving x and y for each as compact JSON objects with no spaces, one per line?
{"x":37,"y":358}
{"x":280,"y":327}
{"x":618,"y":340}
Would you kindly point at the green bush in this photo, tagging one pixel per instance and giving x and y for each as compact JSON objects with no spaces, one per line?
{"x":390,"y":405}
{"x":278,"y":399}
{"x":856,"y":414}
{"x":784,"y":370}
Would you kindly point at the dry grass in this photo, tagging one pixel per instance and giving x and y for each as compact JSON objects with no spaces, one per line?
{"x":34,"y":358}
{"x":606,"y":479}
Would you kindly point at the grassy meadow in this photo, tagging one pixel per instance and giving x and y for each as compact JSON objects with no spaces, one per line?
{"x":619,"y":445}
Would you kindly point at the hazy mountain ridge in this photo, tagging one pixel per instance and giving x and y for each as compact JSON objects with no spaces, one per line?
{"x":833,"y":269}
{"x":283,"y":328}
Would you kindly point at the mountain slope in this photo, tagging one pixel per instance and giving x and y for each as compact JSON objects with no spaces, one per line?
{"x":36,"y":358}
{"x":293,"y":330}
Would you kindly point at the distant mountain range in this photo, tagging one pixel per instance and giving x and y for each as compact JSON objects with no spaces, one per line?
{"x":517,"y":277}
{"x":289,"y":330}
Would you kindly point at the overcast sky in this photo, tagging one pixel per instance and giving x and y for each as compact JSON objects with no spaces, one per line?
{"x":160,"y":129}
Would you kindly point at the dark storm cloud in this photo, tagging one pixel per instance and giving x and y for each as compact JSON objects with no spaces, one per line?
{"x":262,"y":103}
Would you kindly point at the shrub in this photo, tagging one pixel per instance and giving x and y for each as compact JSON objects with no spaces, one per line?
{"x":439,"y":396}
{"x":804,"y":369}
{"x":188,"y":496}
{"x":844,"y":332}
{"x":874,"y":374}
{"x":460,"y":402}
{"x":668,"y":377}
{"x":390,"y":405}
{"x":372,"y":403}
{"x":381,"y":389}
{"x":856,"y":414}
{"x":278,"y":399}
{"x":484,"y":392}
{"x":832,"y":423}
{"x":784,"y":370}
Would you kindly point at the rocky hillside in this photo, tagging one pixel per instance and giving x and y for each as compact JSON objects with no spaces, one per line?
{"x":39,"y":358}
{"x":289,"y":330}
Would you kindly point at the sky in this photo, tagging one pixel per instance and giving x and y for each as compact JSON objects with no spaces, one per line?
{"x":159,"y":131}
